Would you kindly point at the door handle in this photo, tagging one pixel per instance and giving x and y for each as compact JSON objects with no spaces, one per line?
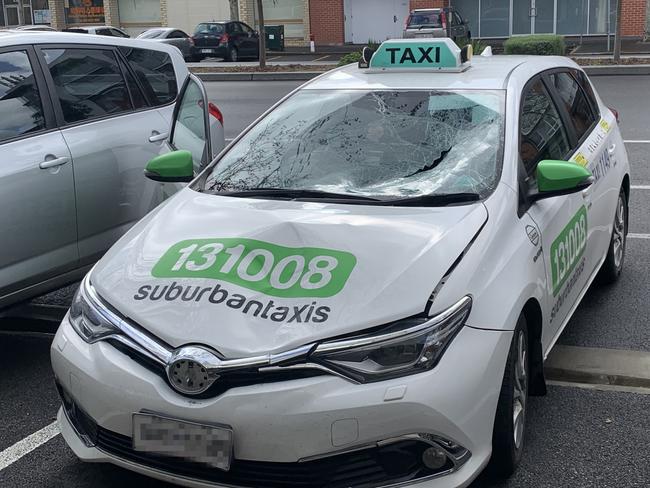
{"x":611,"y":149}
{"x":52,"y":163}
{"x":157,"y":137}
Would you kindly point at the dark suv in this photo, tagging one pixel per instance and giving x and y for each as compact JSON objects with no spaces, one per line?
{"x":437,"y":22}
{"x":229,"y":40}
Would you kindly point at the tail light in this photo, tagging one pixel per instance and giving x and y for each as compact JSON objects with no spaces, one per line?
{"x":215,"y":112}
{"x":443,"y":19}
{"x":615,"y":112}
{"x":224,"y":39}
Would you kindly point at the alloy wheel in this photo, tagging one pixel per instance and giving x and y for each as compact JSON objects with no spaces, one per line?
{"x":520,"y":391}
{"x":618,"y":240}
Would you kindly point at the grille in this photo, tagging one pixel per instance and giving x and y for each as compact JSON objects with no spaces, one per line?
{"x":226,"y":381}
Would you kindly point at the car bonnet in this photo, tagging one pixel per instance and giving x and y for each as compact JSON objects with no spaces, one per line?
{"x":362,"y":266}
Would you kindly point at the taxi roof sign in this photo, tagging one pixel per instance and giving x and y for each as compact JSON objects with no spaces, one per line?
{"x":424,"y":54}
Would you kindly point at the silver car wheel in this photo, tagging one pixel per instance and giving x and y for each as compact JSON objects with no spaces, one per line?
{"x":618,"y":239}
{"x":520,"y":391}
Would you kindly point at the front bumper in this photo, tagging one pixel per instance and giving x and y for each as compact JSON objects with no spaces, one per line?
{"x":291,"y":421}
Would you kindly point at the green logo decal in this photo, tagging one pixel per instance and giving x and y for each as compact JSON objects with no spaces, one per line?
{"x":568,"y":248}
{"x":286,"y":272}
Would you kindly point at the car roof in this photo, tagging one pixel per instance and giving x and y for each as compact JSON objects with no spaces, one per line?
{"x":13,"y":38}
{"x":487,"y":73}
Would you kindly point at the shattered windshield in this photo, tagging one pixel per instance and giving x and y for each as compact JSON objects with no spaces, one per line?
{"x":384,"y":144}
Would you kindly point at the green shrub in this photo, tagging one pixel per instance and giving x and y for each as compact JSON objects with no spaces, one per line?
{"x":477,"y":46}
{"x":545,"y":45}
{"x":354,"y":57}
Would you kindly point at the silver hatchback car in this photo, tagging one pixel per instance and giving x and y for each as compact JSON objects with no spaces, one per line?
{"x":81,"y":116}
{"x":437,"y":22}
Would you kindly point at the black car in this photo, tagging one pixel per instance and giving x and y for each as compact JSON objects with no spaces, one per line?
{"x":229,"y":40}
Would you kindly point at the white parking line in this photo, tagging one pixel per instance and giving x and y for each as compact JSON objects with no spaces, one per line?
{"x":640,"y":187}
{"x":322,"y":57}
{"x":638,"y":236}
{"x":27,"y":445}
{"x":629,"y":141}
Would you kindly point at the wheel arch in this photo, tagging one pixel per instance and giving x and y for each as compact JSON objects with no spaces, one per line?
{"x":532,"y":312}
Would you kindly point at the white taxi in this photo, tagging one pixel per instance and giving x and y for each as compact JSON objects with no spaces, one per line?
{"x":362,"y":289}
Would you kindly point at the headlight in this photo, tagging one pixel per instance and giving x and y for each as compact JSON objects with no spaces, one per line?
{"x":88,"y":316}
{"x":407,"y":347}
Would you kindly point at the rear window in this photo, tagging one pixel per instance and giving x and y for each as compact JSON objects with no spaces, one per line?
{"x":424,"y":19}
{"x":210,"y":29}
{"x":151,"y":34}
{"x":155,"y":70}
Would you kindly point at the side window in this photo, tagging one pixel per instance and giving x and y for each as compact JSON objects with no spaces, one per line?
{"x":88,"y":83}
{"x":188,"y":132}
{"x":235,"y":28}
{"x":541,"y":132}
{"x":155,"y":71}
{"x":459,"y":19}
{"x":587,"y":90}
{"x":117,"y":33}
{"x":137,"y":96}
{"x":178,"y":35}
{"x":245,"y":28}
{"x":103,"y":32}
{"x":20,"y":103}
{"x":574,"y":102}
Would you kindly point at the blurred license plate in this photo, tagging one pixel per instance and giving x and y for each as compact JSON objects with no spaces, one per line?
{"x":206,"y":444}
{"x":206,"y":51}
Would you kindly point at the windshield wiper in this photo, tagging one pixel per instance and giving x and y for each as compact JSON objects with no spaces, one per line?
{"x":439,"y":200}
{"x":291,"y":194}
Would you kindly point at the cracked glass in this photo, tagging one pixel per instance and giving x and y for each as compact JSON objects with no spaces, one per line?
{"x":400,"y":144}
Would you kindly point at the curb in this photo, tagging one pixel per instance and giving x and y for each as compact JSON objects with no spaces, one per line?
{"x":260,"y":76}
{"x":598,"y":366}
{"x":617,"y":70}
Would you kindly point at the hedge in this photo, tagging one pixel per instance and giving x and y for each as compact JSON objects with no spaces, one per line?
{"x":545,"y":45}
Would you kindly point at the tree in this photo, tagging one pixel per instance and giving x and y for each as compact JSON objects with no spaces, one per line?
{"x":617,"y":37}
{"x":234,"y":9}
{"x":260,"y":28}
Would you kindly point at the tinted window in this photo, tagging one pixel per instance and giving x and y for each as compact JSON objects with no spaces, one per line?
{"x":189,"y":126}
{"x":137,"y":96}
{"x":210,"y":29}
{"x":587,"y":90}
{"x":103,"y":32}
{"x":20,"y":103}
{"x":178,"y":35}
{"x":574,"y":102}
{"x":155,"y":71}
{"x":425,"y":19}
{"x":118,"y":33}
{"x":88,"y":82}
{"x":542,"y":134}
{"x":235,"y":28}
{"x":152,"y":34}
{"x":245,"y":28}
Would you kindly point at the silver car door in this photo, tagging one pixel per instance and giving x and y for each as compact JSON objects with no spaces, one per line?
{"x":38,"y":221}
{"x":108,"y":126}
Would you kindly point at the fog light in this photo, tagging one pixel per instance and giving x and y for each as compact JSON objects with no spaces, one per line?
{"x":434,"y":458}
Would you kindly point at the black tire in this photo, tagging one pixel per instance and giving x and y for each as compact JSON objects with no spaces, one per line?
{"x":510,"y":419}
{"x":613,"y":265}
{"x":232,"y":55}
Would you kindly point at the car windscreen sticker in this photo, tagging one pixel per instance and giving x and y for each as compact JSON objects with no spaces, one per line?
{"x":279,"y":271}
{"x":567,"y":249}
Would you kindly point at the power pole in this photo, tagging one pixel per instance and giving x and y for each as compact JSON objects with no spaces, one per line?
{"x":260,"y":29}
{"x":617,"y":38}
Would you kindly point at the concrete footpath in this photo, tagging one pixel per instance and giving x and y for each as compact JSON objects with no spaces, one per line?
{"x":598,"y":366}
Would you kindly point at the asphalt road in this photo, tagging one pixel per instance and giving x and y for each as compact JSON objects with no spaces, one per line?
{"x":575,"y":437}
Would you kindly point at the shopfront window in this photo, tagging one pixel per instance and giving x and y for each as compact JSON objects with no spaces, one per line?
{"x":289,"y":13}
{"x":33,"y":12}
{"x":495,"y":18}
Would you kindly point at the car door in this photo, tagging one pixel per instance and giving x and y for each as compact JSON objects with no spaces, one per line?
{"x":190,"y":129}
{"x":563,"y":221}
{"x":251,"y":39}
{"x":180,"y":40}
{"x":238,"y":39}
{"x":37,"y":220}
{"x":107,"y":123}
{"x":596,"y":150}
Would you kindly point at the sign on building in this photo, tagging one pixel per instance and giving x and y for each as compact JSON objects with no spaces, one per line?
{"x":85,"y":12}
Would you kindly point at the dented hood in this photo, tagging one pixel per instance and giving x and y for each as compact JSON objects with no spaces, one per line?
{"x":252,"y":276}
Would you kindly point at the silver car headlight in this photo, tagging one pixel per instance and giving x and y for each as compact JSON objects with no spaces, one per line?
{"x":406,"y":347}
{"x":89,"y":317}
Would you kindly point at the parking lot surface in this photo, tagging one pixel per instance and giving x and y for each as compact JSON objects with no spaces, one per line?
{"x":576,"y":437}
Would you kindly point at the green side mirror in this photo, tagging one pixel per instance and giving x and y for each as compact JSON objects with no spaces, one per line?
{"x":173,"y":167}
{"x":556,"y":178}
